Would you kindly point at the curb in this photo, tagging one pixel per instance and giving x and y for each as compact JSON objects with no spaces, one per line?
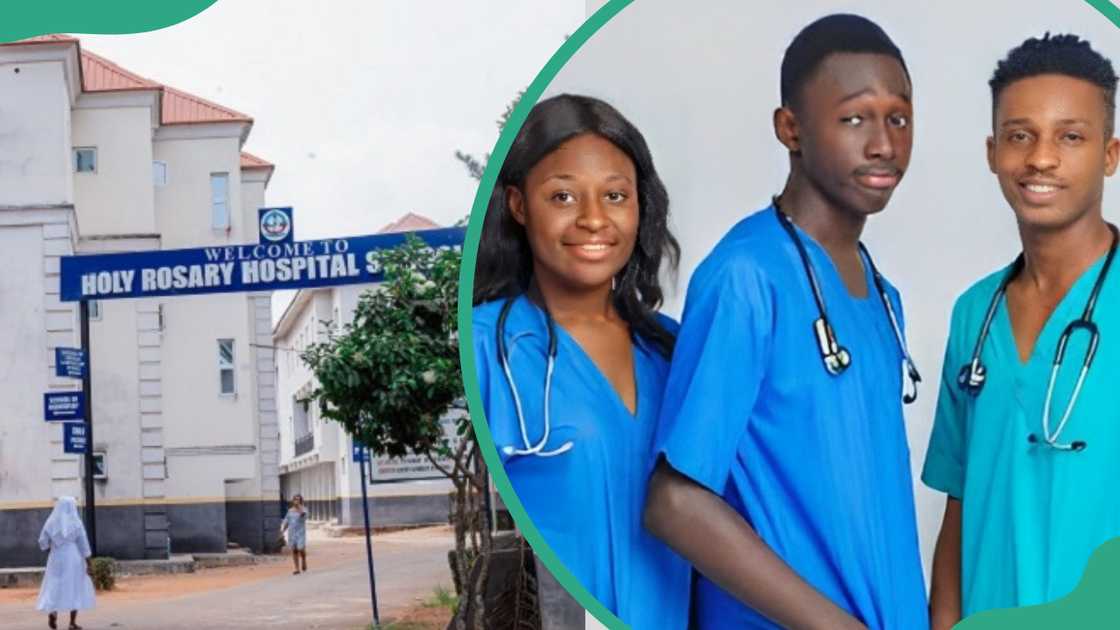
{"x":29,"y":577}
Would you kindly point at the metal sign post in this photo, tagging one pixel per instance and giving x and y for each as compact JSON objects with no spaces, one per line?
{"x":87,"y":473}
{"x":362,"y":456}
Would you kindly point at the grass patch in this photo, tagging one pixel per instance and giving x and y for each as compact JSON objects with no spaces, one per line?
{"x":442,"y":598}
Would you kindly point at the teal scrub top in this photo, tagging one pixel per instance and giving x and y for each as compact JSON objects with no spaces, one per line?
{"x":1032,"y":515}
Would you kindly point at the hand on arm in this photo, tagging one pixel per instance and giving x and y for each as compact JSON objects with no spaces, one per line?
{"x":945,"y":587}
{"x":724,"y":547}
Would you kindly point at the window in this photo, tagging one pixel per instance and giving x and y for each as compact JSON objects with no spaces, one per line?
{"x":300,"y":421}
{"x":95,"y":310}
{"x":225,"y":367}
{"x":85,"y":159}
{"x":219,"y":200}
{"x":159,"y":173}
{"x":99,"y":469}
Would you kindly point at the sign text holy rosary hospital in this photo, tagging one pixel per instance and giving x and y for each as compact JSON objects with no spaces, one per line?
{"x":263,"y":267}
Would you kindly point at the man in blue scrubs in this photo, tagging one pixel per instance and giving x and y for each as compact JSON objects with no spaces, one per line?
{"x":784,"y":474}
{"x":1030,"y":496}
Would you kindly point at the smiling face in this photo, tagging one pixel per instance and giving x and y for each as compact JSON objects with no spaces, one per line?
{"x":579,"y":208}
{"x":853,"y":130}
{"x":1051,"y":149}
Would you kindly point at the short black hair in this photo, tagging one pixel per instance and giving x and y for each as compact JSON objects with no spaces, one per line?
{"x":837,"y":33}
{"x":1067,"y":55}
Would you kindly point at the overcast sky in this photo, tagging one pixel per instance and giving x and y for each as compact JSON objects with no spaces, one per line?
{"x":361,"y":105}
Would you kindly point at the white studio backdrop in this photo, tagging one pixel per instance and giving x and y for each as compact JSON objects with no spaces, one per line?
{"x":700,"y":80}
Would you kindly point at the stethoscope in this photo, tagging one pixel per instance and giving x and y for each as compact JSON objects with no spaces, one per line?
{"x":530,"y":448}
{"x":836,"y":357}
{"x":973,"y":374}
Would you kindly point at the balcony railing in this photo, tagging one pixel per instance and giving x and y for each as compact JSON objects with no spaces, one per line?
{"x":304,"y":444}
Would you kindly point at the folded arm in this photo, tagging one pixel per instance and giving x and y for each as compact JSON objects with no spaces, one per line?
{"x":722,"y":546}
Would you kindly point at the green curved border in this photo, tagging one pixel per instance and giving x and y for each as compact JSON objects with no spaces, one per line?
{"x":466,"y":330}
{"x":1092,"y":601}
{"x":95,"y":16}
{"x":1092,"y":605}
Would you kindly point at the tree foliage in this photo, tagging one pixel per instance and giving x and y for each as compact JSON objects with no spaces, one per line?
{"x":391,"y":374}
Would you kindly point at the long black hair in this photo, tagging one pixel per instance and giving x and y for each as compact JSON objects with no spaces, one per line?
{"x":505,"y":262}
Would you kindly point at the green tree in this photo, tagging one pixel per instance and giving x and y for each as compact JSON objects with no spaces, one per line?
{"x":391,"y":376}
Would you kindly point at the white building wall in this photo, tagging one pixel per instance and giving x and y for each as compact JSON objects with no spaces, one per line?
{"x":205,"y":431}
{"x":24,"y":479}
{"x":183,"y":206}
{"x":171,"y":439}
{"x":115,"y":380}
{"x":35,"y":167}
{"x":118,"y":197}
{"x":327,"y":473}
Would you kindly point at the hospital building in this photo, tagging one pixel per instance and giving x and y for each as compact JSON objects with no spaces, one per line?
{"x":190,"y":428}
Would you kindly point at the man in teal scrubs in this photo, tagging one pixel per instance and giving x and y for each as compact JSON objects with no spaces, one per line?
{"x":1031,"y":480}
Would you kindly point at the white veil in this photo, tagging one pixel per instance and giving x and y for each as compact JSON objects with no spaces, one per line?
{"x":63,"y":524}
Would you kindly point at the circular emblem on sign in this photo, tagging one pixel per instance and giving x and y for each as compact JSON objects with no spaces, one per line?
{"x":275,"y":225}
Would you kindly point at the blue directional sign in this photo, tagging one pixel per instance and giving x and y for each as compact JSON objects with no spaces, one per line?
{"x":360,"y":454}
{"x":275,"y":225}
{"x":75,"y":437}
{"x":70,"y":362}
{"x":67,"y":406}
{"x":233,"y":268}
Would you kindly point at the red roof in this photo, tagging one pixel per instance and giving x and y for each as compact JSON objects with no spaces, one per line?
{"x":101,"y":75}
{"x":410,"y":223}
{"x":53,"y":38}
{"x":180,"y":108}
{"x":250,"y":161}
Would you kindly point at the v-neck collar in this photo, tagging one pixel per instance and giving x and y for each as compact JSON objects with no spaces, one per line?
{"x":569,"y":344}
{"x":824,"y":265}
{"x":1068,"y":309}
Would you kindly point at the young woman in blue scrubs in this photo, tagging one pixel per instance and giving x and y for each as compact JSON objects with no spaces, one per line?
{"x":574,"y":240}
{"x":784,"y":474}
{"x":1031,"y":497}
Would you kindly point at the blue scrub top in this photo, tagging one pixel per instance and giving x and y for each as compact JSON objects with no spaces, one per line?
{"x":817,"y":464}
{"x":587,"y":503}
{"x":1031,"y":515}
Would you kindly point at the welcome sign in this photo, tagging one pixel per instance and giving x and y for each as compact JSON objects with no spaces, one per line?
{"x":232,"y":268}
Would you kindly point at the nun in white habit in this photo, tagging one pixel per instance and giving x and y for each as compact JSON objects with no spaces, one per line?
{"x":66,"y":582}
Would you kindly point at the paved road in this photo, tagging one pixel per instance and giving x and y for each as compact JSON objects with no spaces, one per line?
{"x":333,"y":594}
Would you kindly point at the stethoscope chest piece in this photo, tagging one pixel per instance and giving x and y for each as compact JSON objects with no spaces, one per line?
{"x":835,"y":356}
{"x":972,"y":377}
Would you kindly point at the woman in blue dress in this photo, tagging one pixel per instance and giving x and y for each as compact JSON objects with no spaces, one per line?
{"x":571,"y":353}
{"x":295,"y":524}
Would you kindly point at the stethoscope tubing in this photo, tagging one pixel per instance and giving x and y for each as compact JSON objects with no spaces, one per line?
{"x":974,"y":374}
{"x":835,"y":357}
{"x":528,"y":447}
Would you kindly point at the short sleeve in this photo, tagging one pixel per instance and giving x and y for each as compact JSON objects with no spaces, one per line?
{"x":945,"y":458}
{"x":717,"y":370}
{"x":526,"y":355}
{"x":44,"y":540}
